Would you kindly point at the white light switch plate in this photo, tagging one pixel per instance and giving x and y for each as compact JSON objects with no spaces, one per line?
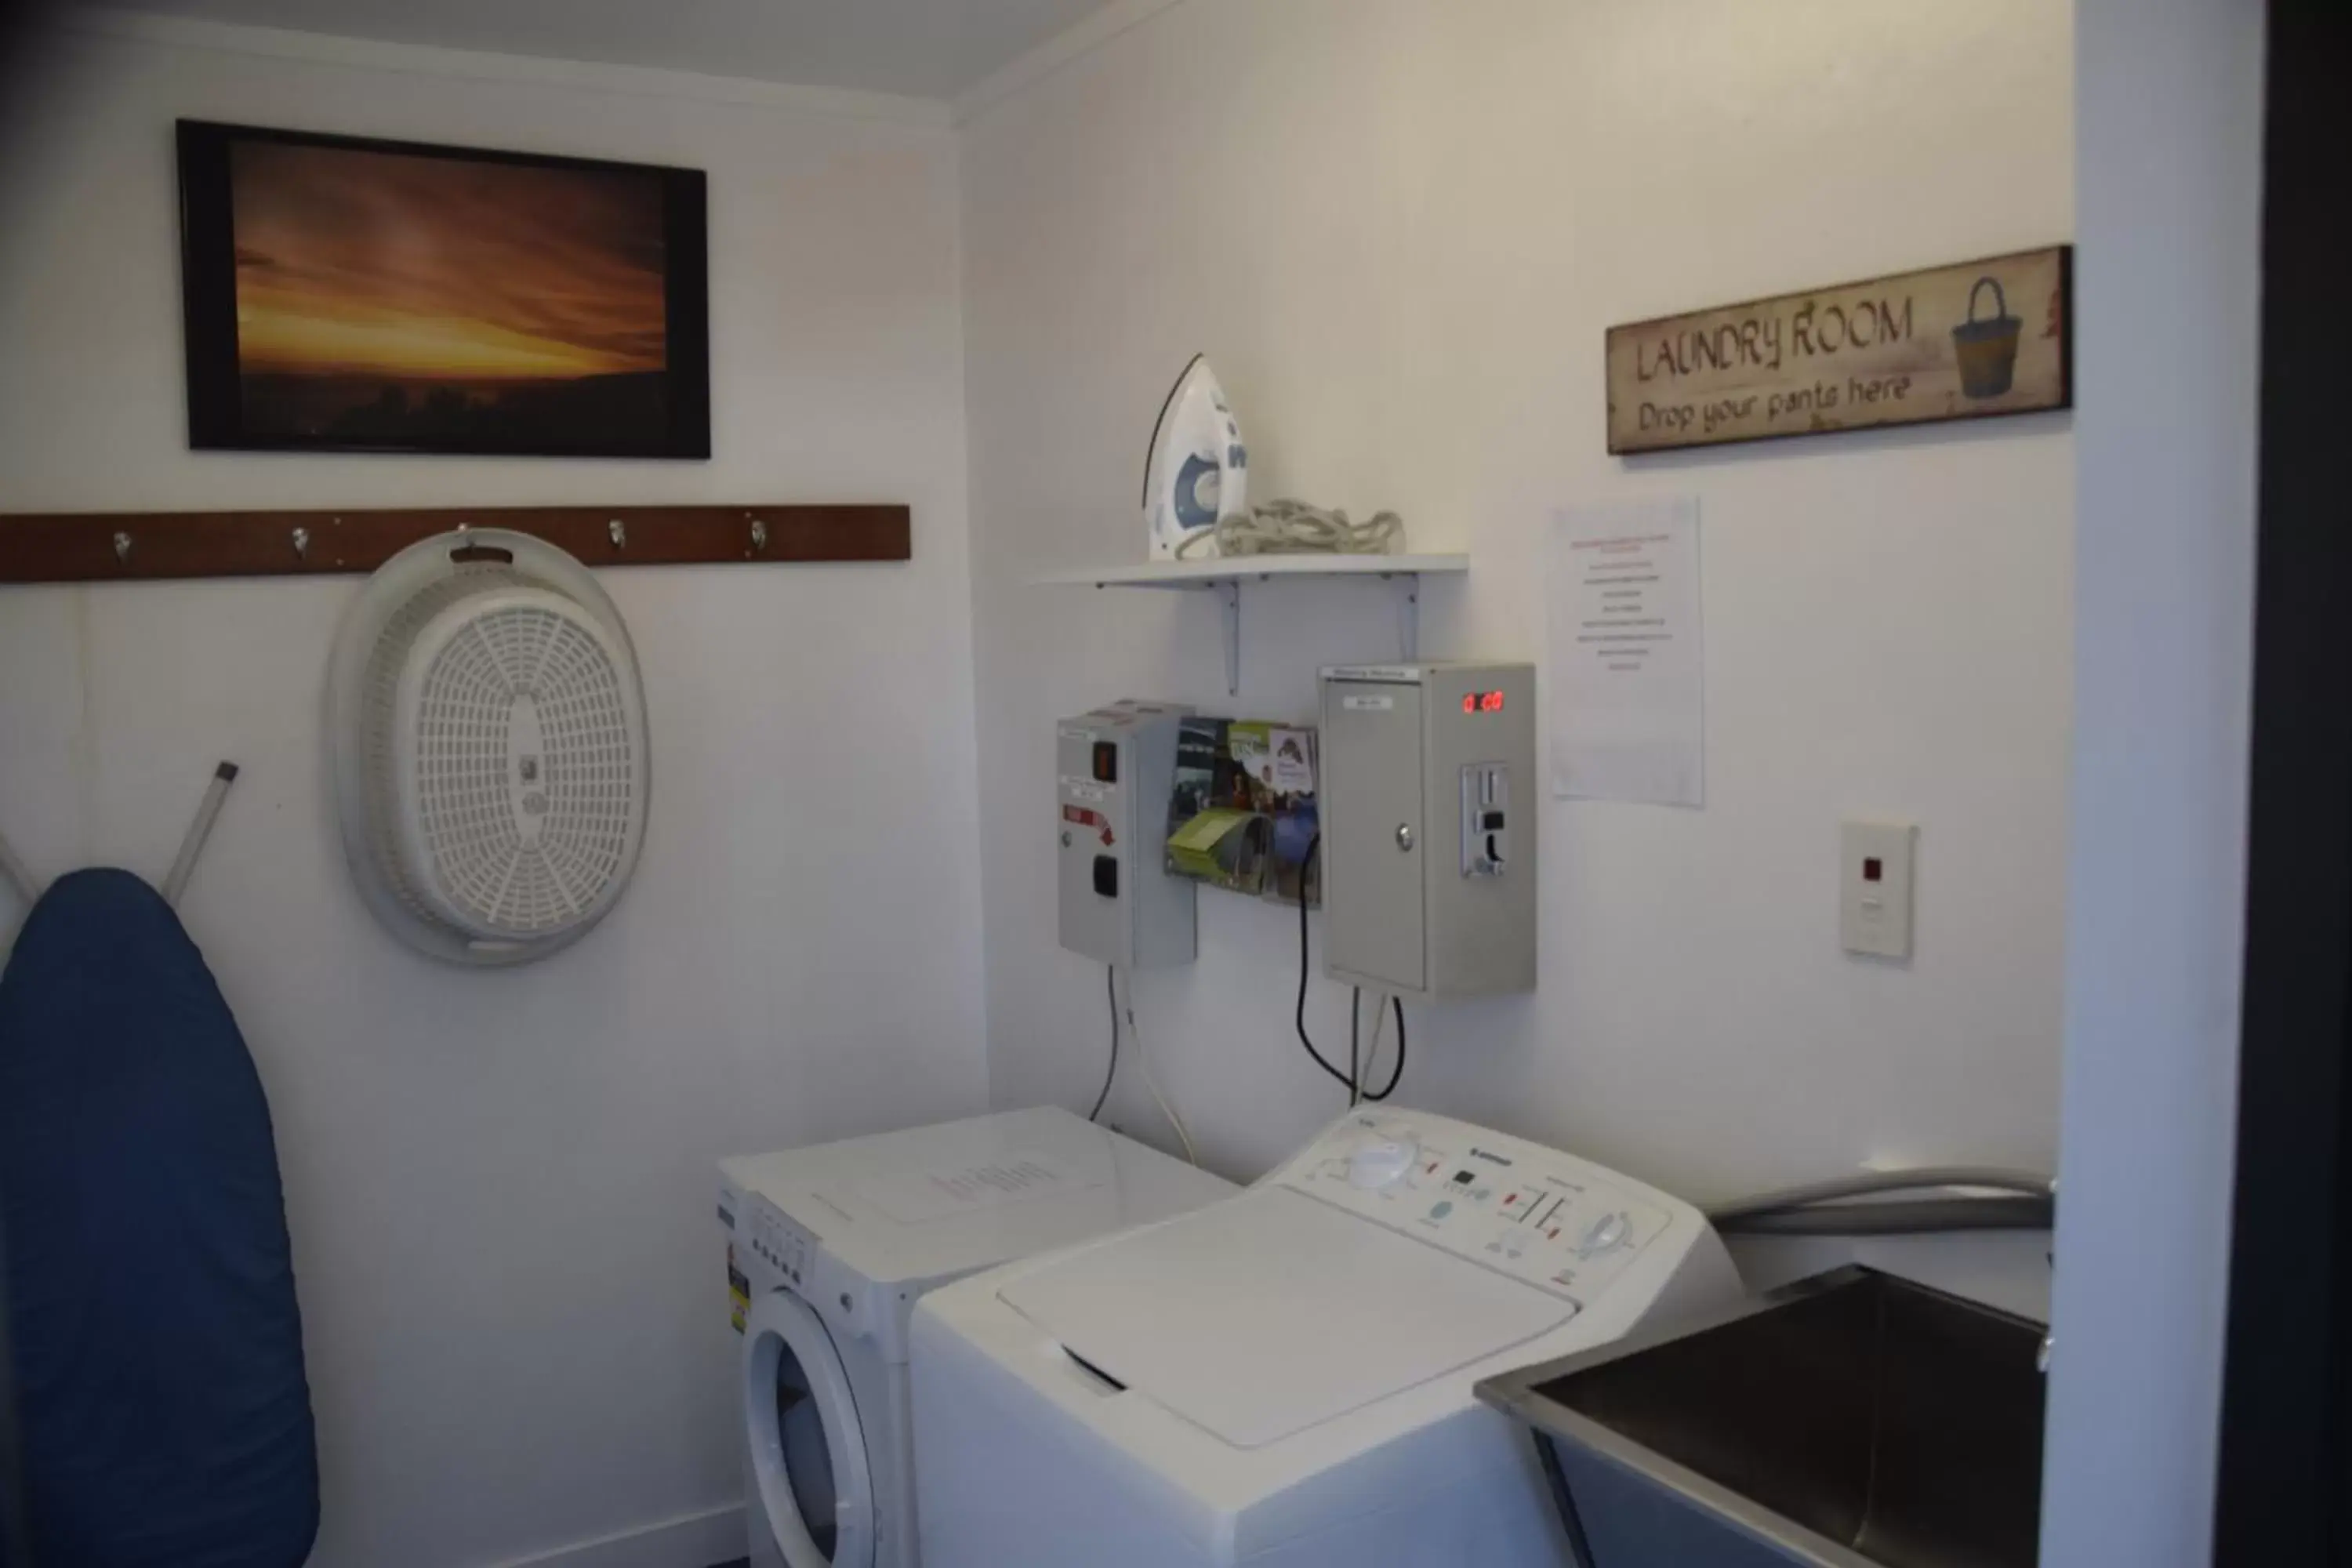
{"x":1875,"y":879}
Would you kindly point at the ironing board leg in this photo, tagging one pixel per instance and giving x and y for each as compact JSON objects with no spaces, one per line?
{"x":17,"y":872}
{"x":198,"y":831}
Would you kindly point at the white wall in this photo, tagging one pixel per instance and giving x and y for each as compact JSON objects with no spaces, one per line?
{"x":500,"y":1186}
{"x":2170,"y":158}
{"x":1399,"y":230}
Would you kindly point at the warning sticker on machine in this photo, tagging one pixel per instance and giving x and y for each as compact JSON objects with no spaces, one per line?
{"x":738,"y":1290}
{"x":1086,"y":816}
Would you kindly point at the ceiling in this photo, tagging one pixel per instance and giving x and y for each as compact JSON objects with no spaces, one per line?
{"x":925,"y":48}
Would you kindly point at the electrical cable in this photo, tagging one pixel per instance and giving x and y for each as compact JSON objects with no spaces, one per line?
{"x":1143,"y":1065}
{"x":1380,"y":1027}
{"x":1356,"y":1058}
{"x":1396,"y":1075}
{"x":1111,"y":974}
{"x":1294,"y":528}
{"x":1308,"y":862}
{"x":1382,"y":1004}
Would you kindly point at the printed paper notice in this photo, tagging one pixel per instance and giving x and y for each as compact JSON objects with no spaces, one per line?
{"x":1628,"y":687}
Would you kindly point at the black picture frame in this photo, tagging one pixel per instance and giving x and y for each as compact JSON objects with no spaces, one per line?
{"x":670,"y":418}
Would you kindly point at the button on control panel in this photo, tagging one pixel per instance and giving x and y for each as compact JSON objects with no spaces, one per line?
{"x":778,"y":1242}
{"x":1518,"y":1208}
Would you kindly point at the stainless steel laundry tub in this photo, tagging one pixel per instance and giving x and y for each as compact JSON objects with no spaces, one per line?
{"x":1854,"y":1420}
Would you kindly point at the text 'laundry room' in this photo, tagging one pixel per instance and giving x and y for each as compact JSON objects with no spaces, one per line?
{"x":1174,"y":783}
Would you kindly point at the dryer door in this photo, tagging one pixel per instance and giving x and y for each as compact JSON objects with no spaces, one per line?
{"x":813,"y":1502}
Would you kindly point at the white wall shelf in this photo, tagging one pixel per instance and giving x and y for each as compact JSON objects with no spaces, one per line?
{"x":1224,"y":577}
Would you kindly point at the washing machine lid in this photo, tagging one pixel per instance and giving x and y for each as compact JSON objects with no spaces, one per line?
{"x":1261,"y":1317}
{"x":934,"y":1202}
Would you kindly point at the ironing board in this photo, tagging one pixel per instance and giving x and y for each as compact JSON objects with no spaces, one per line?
{"x":161,"y":1404}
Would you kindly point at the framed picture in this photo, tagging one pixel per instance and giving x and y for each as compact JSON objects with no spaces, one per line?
{"x":361,"y":296}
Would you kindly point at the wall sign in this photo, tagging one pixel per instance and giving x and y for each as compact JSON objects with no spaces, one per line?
{"x":1967,"y":341}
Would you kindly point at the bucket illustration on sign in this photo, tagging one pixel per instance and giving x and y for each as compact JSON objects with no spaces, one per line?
{"x":1986,"y":349}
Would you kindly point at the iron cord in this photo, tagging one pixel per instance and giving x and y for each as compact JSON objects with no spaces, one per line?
{"x":1295,"y":528}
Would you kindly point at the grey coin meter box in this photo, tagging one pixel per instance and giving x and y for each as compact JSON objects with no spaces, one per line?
{"x":1428,"y":807}
{"x":1115,"y":769}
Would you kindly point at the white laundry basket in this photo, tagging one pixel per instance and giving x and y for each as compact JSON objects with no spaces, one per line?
{"x":487,"y":730}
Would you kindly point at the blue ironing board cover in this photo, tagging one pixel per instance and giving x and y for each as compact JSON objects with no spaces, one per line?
{"x":163,"y":1410}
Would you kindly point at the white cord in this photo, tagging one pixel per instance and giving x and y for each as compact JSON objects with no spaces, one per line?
{"x":1143,"y":1064}
{"x":1294,"y":528}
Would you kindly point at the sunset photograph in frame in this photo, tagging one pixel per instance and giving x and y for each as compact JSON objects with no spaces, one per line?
{"x":351,"y":294}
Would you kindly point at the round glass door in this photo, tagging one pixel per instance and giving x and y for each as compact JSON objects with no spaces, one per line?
{"x":808,"y":1453}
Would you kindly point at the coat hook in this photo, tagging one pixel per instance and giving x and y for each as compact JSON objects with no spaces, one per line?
{"x":301,"y":543}
{"x":619,"y":536}
{"x":123,"y":548}
{"x":759,"y":537}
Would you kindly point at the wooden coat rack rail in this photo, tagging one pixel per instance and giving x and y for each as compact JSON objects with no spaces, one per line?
{"x":129,"y":546}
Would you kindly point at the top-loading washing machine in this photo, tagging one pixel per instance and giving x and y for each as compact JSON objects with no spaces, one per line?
{"x":1284,"y":1376}
{"x":830,"y":1248}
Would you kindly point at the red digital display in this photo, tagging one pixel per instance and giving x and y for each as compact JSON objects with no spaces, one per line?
{"x":1482,"y":703}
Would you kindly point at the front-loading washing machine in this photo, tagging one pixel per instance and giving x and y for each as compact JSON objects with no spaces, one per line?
{"x":829,"y":1249}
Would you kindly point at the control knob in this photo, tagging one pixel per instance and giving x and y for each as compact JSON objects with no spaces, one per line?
{"x":1381,"y":1159}
{"x":1607,"y":1234}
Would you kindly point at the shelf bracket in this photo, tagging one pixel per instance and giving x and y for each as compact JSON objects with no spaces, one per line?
{"x":1408,"y":584}
{"x":1230,"y":592}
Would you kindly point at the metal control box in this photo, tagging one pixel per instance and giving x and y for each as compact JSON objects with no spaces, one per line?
{"x":1115,"y":769}
{"x":1428,"y":810}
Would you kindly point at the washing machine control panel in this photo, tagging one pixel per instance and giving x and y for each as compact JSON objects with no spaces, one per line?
{"x":775,"y":1240}
{"x":1533,"y":1213}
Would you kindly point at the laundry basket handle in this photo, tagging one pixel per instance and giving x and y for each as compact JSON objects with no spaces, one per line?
{"x":1999,"y":299}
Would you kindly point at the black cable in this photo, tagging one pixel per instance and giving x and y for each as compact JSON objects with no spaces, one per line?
{"x":1356,"y":1051}
{"x":1571,"y":1522}
{"x":1396,"y":1077}
{"x":1110,"y":984}
{"x":1306,"y":862}
{"x":1355,"y":1006}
